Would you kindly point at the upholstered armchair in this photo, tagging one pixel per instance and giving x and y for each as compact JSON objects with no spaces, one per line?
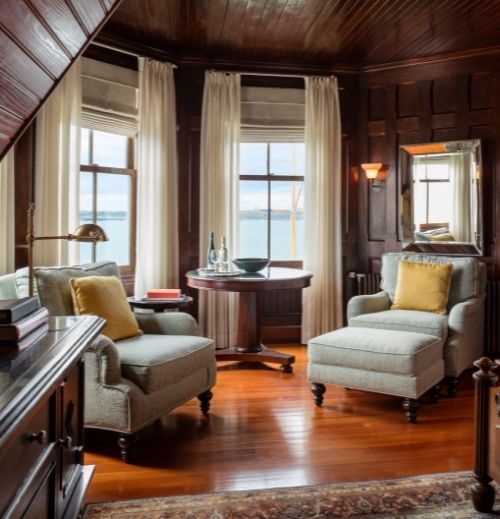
{"x":132,"y":382}
{"x":461,"y":328}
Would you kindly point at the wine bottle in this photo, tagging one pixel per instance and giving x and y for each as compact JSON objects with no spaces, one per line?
{"x":212,"y":253}
{"x":223,"y":256}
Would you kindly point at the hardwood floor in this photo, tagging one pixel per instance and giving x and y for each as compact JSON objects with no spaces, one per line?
{"x":265,"y":432}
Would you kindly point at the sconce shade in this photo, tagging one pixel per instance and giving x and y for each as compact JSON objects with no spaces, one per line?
{"x":372,"y":170}
{"x":88,"y":232}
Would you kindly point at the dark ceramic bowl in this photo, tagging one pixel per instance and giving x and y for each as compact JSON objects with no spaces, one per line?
{"x":251,"y":264}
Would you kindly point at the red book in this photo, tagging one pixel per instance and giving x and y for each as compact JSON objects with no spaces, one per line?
{"x":163,"y":293}
{"x":16,"y":331}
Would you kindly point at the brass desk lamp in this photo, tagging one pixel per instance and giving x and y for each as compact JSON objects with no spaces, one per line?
{"x":88,"y":232}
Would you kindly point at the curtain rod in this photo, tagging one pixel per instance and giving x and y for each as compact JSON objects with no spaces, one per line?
{"x":269,"y":74}
{"x":122,"y":51}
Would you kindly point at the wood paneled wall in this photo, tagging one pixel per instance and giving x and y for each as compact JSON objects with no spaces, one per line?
{"x":39,"y":40}
{"x":455,"y":99}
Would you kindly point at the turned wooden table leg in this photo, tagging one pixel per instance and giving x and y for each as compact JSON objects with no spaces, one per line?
{"x":483,"y":493}
{"x":248,"y":323}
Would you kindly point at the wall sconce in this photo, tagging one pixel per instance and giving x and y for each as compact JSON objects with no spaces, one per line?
{"x":376,"y":180}
{"x":88,"y":232}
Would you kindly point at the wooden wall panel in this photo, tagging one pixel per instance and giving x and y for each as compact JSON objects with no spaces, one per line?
{"x":407,"y":99}
{"x":443,"y":96}
{"x":481,"y":91}
{"x":436,"y":105}
{"x":38,"y":42}
{"x":376,"y":103}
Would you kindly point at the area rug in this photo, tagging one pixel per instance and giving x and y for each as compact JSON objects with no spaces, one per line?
{"x":436,"y":496}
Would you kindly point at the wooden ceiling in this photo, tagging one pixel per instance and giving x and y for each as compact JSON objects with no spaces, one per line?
{"x":39,"y":40}
{"x":328,"y":33}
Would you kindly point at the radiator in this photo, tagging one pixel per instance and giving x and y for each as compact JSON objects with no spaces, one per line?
{"x":491,"y":319}
{"x":365,"y":282}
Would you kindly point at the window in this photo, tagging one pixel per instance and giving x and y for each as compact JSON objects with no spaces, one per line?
{"x":433,"y":203}
{"x":272,"y":200}
{"x":107,"y":195}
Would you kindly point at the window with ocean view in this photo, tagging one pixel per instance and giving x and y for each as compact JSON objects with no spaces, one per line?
{"x":271,"y":200}
{"x":107,"y":190}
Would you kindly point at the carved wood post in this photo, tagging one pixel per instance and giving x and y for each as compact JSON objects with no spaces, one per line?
{"x":483,"y":493}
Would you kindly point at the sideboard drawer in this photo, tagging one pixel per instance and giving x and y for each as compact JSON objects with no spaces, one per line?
{"x":34,"y":439}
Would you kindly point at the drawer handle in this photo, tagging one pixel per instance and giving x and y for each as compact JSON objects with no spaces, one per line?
{"x":65,"y":442}
{"x":40,"y":437}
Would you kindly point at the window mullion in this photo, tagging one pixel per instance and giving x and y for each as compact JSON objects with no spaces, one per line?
{"x":94,"y":211}
{"x":268,"y":171}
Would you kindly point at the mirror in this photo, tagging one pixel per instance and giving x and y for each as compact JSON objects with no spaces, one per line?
{"x":440,"y":197}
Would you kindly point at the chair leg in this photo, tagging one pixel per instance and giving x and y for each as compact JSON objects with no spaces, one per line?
{"x":204,"y":399}
{"x":452,"y":383}
{"x":318,"y":392}
{"x":410,"y":405}
{"x":127,"y":442}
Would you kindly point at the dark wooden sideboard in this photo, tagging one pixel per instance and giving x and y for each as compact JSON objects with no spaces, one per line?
{"x":41,"y":423}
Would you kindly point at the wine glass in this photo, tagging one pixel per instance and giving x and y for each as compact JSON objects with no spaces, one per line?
{"x":214,"y":258}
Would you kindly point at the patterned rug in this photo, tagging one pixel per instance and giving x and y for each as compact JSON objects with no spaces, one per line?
{"x":436,"y":496}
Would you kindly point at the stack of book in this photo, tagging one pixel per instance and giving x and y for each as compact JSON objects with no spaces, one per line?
{"x":22,"y":322}
{"x":164,"y":295}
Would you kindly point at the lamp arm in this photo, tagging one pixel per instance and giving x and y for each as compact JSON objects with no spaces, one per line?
{"x":65,"y":237}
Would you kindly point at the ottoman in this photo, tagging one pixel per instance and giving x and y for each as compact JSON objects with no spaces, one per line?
{"x":405,"y":364}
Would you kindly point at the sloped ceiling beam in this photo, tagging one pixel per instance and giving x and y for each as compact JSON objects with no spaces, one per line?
{"x":39,"y":40}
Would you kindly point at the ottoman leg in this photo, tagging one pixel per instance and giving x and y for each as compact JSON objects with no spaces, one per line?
{"x":434,"y":394}
{"x":410,"y":405}
{"x":204,"y":399}
{"x":318,"y":392}
{"x":452,"y":386}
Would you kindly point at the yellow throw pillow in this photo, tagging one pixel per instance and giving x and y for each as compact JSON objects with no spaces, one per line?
{"x":105,"y":296}
{"x":446,"y":236}
{"x":422,"y":286}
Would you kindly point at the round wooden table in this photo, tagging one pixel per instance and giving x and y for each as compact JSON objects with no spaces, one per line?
{"x":249,"y":346}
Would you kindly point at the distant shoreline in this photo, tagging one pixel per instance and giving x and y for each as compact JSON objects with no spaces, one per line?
{"x":255,"y":214}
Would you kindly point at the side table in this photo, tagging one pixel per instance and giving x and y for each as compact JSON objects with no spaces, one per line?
{"x":159,"y":306}
{"x":249,"y":347}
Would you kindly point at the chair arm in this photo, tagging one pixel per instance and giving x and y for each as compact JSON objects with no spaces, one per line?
{"x":102,"y":362}
{"x":368,"y":304}
{"x":462,"y":312}
{"x":169,"y":323}
{"x":465,"y":342}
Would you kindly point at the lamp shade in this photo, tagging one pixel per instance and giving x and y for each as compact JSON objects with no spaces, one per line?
{"x":88,"y":232}
{"x":372,"y":170}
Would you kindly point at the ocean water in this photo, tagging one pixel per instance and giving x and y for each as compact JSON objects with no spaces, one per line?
{"x":253,"y":238}
{"x":118,"y":246}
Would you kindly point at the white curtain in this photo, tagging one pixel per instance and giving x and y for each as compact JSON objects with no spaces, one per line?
{"x":157,"y":196}
{"x":322,"y":302}
{"x":219,"y":195}
{"x":57,"y":167}
{"x":7,"y":218}
{"x":461,"y":178}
